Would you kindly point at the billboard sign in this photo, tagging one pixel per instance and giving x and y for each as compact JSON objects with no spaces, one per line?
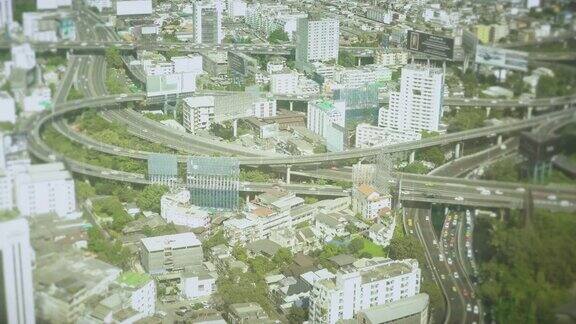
{"x":503,"y":58}
{"x":437,"y":46}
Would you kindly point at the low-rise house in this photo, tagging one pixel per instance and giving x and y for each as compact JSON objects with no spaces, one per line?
{"x":247,"y":313}
{"x":381,"y":233}
{"x":198,"y":283}
{"x":369,"y":202}
{"x":330,"y":226}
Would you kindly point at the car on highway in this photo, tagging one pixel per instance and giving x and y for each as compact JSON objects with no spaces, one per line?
{"x":455,"y":274}
{"x":565,"y":203}
{"x":459,"y":198}
{"x":552,"y":197}
{"x":498,"y":192}
{"x":468,"y":307}
{"x":440,"y":257}
{"x":454,"y":289}
{"x":520,"y":189}
{"x":485,"y":192}
{"x":450,"y":261}
{"x":476,"y":310}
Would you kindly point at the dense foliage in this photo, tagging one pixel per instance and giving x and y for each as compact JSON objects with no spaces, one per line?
{"x":530,"y":268}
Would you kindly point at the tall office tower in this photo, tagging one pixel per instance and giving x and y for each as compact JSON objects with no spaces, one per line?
{"x":208,"y":22}
{"x":214,"y":182}
{"x":6,"y":18}
{"x":317,"y":40}
{"x":16,"y":291}
{"x":418,"y":105}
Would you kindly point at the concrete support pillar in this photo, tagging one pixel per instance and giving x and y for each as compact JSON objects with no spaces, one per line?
{"x":235,"y":127}
{"x":288,"y":173}
{"x":247,"y":198}
{"x":359,"y":61}
{"x":457,"y":152}
{"x":566,"y":106}
{"x":499,"y":141}
{"x":412,"y":157}
{"x":529,"y":112}
{"x":488,"y":109}
{"x":291,"y":105}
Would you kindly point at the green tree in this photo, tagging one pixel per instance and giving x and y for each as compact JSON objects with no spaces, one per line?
{"x":416,"y":168}
{"x":346,"y":59}
{"x":432,"y":154}
{"x":282,"y":257}
{"x":356,"y":245}
{"x":466,"y":118}
{"x":297,"y":315}
{"x":149,"y":198}
{"x":505,"y":170}
{"x":113,"y":57}
{"x":406,"y":247}
{"x":278,"y":36}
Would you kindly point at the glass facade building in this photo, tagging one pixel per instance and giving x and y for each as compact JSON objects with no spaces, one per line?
{"x":214,"y":182}
{"x":163,"y":169}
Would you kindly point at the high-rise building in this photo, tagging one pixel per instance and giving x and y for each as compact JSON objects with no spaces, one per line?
{"x":364,"y":284}
{"x":16,"y":290}
{"x":214,"y":182}
{"x":198,"y":113}
{"x":317,"y":40}
{"x":6,"y":18}
{"x":418,"y":105}
{"x":45,"y":188}
{"x":23,"y":56}
{"x":208,"y":22}
{"x":327,"y":119}
{"x":163,"y":169}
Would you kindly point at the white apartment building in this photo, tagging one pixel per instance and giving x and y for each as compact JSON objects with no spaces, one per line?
{"x":391,"y":57}
{"x":369,"y":202}
{"x":100,"y":5}
{"x":23,"y":56}
{"x":384,"y":16}
{"x":45,"y":188}
{"x":284,"y":83}
{"x":269,"y":212}
{"x":236,"y":8}
{"x":369,"y":135}
{"x":168,"y":253}
{"x":52,"y":4}
{"x":358,"y":77}
{"x":16,"y":273}
{"x":418,"y":104}
{"x":7,"y":197}
{"x":317,"y":40}
{"x":198,"y":284}
{"x":176,"y":208}
{"x":366,"y":283}
{"x":208,"y":22}
{"x":141,"y":289}
{"x":7,"y":108}
{"x":198,"y":113}
{"x":264,"y":107}
{"x":322,"y":113}
{"x":266,"y":18}
{"x":6,"y":18}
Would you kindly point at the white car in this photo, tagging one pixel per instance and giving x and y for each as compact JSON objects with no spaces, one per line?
{"x":485,"y":192}
{"x":455,"y":274}
{"x":552,"y":197}
{"x":450,"y":261}
{"x":468,"y":307}
{"x":459,"y":198}
{"x":498,"y":192}
{"x":440,"y":257}
{"x":475,"y":309}
{"x":520,"y":189}
{"x":565,"y":203}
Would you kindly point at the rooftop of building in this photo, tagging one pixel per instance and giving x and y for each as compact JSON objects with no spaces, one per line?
{"x":134,"y":279}
{"x":182,"y":240}
{"x":391,"y":312}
